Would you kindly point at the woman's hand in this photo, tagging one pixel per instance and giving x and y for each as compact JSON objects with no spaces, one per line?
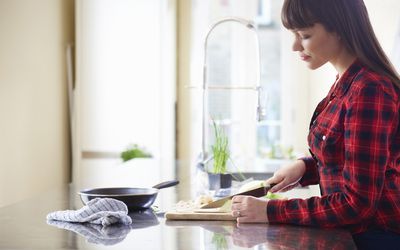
{"x":248,"y":209}
{"x":287,"y":177}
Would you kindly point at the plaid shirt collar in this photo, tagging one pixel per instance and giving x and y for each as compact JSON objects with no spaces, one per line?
{"x":345,"y":81}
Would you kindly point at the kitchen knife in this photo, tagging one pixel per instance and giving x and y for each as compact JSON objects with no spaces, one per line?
{"x":257,"y":192}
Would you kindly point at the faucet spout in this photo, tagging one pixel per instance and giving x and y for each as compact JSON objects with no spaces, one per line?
{"x":260,"y":110}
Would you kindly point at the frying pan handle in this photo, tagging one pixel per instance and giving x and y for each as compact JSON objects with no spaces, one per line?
{"x":166,"y":184}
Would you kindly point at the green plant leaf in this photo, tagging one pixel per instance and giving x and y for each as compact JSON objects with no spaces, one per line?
{"x":220,"y":150}
{"x":134,"y":151}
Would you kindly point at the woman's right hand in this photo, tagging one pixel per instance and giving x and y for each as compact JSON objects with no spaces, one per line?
{"x":287,"y":177}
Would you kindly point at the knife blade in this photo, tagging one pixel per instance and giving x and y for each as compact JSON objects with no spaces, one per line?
{"x":257,"y":192}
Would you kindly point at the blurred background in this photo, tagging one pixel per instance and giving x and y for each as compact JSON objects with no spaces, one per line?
{"x":81,"y":80}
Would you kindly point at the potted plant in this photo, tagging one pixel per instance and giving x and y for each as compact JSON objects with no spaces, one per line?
{"x":134,"y":151}
{"x":133,"y":167}
{"x":218,"y":176}
{"x":129,"y":167}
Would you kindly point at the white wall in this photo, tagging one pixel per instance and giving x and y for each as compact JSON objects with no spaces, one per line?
{"x":125,"y":86}
{"x":396,"y":49}
{"x":296,"y":97}
{"x":384,"y":16}
{"x":34,"y":144}
{"x":184,"y":96}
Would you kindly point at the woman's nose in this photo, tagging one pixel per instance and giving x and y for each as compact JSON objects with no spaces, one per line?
{"x":296,"y":46}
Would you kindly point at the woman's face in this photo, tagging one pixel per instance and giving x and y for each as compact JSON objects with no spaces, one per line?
{"x":316,"y":46}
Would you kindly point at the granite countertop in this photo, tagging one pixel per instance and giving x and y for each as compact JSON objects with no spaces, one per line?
{"x":23,"y":226}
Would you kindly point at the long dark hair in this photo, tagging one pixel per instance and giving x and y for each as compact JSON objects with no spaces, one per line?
{"x":350,"y":21}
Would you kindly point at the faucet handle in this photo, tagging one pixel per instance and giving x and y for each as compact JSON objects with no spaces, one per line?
{"x":261,"y":99}
{"x":261,"y":113}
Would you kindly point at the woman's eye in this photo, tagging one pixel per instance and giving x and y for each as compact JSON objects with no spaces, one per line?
{"x":305,"y":37}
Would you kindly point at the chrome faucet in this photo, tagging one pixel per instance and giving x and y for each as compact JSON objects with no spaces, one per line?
{"x":204,"y":158}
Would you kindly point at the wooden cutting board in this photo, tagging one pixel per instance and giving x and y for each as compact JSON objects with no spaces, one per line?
{"x":173,"y":215}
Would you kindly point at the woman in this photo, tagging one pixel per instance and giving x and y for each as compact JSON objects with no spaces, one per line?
{"x":354,"y":136}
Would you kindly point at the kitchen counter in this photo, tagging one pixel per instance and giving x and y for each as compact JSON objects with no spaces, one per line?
{"x":23,"y":226}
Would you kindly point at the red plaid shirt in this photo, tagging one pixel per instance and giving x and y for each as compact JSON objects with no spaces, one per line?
{"x":354,"y":139}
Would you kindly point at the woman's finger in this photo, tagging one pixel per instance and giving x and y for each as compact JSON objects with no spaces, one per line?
{"x":238,"y":198}
{"x":236,"y":213}
{"x":235,"y":206}
{"x":279,"y":186}
{"x":274,"y":180}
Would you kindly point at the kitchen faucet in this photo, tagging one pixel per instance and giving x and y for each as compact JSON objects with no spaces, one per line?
{"x":260,"y":112}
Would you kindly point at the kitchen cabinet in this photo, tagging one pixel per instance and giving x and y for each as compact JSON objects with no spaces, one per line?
{"x":124,"y":87}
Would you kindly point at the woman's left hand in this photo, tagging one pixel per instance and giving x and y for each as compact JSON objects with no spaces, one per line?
{"x":248,"y":209}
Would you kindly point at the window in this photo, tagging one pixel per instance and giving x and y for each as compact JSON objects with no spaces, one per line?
{"x":232,"y":61}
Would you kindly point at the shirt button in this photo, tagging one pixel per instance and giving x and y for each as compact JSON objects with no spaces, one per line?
{"x":323,"y":138}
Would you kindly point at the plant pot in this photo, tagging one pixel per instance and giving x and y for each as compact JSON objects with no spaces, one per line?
{"x":218,"y":181}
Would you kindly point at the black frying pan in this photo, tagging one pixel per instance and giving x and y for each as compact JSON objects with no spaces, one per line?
{"x":134,"y":198}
